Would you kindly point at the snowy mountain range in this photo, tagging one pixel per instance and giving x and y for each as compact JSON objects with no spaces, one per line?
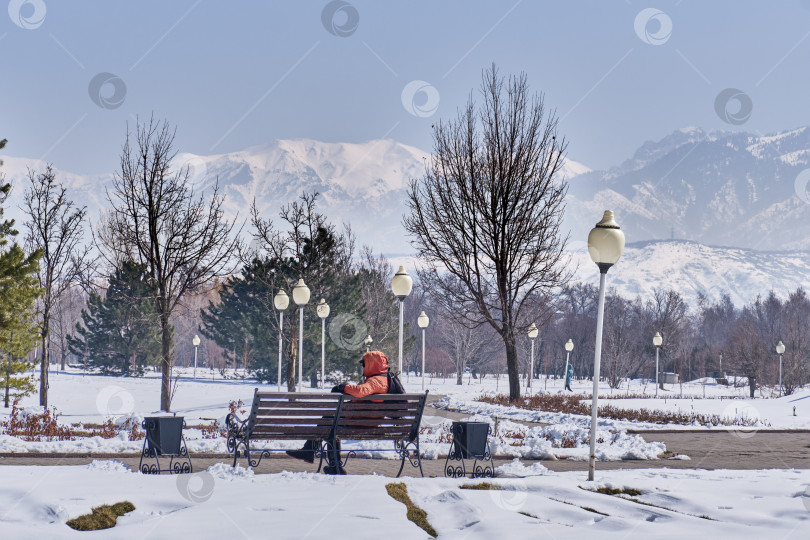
{"x":691,"y":268}
{"x":362,"y":184}
{"x":722,"y":188}
{"x":719,"y":189}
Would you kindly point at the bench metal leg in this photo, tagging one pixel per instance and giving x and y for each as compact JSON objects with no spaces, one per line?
{"x":320,"y":454}
{"x":401,"y":465}
{"x":404,"y":450}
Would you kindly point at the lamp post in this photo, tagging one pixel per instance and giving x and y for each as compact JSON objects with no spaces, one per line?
{"x":323,"y":313}
{"x":401,"y":285}
{"x":657,"y":341}
{"x":196,"y":343}
{"x":532,"y":336}
{"x":780,"y":350}
{"x":300,"y":295}
{"x":280,"y":301}
{"x":367,"y":342}
{"x":569,"y":346}
{"x":605,"y":246}
{"x":423,"y":322}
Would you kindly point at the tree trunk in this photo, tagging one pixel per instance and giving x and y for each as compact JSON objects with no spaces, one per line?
{"x":165,"y":363}
{"x":459,"y":376}
{"x":291,"y":360}
{"x":8,"y":378}
{"x":45,"y":363}
{"x":512,"y":364}
{"x":752,"y":385}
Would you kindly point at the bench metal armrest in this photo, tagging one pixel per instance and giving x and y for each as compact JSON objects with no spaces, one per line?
{"x":236,"y":426}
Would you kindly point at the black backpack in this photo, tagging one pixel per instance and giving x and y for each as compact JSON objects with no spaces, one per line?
{"x":394,"y":384}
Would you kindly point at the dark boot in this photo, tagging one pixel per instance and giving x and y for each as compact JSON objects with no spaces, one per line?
{"x":306,"y":453}
{"x":334,"y":470}
{"x":333,"y":451}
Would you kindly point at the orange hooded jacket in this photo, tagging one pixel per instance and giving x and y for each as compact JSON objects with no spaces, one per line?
{"x":375,"y":370}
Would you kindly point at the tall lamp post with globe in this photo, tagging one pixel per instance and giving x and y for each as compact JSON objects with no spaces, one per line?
{"x":569,"y":346}
{"x":605,"y":246}
{"x":401,"y":285}
{"x":301,"y":298}
{"x":367,"y":342}
{"x":196,"y":343}
{"x":780,"y":350}
{"x":423,"y":322}
{"x":658,"y":341}
{"x":280,"y":301}
{"x":323,"y":312}
{"x":533,"y":331}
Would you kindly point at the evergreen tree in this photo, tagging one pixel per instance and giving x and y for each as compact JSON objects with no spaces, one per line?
{"x":120,"y":333}
{"x":245,"y":323}
{"x":18,"y":292}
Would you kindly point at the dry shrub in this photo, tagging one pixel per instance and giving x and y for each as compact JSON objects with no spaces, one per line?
{"x":573,"y":405}
{"x":237,"y":407}
{"x":45,"y":426}
{"x":212,"y":430}
{"x":33,"y":427}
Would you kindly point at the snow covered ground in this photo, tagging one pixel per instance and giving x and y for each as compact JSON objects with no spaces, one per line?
{"x":35,"y":502}
{"x":81,"y":398}
{"x":94,"y":399}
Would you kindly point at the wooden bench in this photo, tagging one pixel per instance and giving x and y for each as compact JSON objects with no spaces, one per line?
{"x":326,"y":419}
{"x":384,"y":417}
{"x":279,"y":416}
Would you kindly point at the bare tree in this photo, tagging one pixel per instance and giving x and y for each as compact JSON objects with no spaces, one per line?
{"x":489,"y":208}
{"x":56,"y":227}
{"x":66,"y":313}
{"x":748,"y":348}
{"x":181,"y":237}
{"x":465,"y":345}
{"x":621,"y":354}
{"x":796,"y":336}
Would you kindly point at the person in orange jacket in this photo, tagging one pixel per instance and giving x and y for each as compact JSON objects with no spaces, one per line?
{"x":375,"y":371}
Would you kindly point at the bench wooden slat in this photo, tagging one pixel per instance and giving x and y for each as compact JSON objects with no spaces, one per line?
{"x":294,"y":421}
{"x":270,"y":404}
{"x":380,"y":407}
{"x":382,"y":414}
{"x":375,"y":421}
{"x":298,"y":396}
{"x":356,"y":433}
{"x":261,"y":413}
{"x":314,"y":430}
{"x":284,"y":437}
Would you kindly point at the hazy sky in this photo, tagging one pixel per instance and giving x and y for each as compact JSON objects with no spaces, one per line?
{"x":235,"y":74}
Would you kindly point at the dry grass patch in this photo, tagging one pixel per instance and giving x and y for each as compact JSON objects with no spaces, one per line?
{"x":481,"y":485}
{"x":399,"y":491}
{"x":620,"y":491}
{"x":102,"y":517}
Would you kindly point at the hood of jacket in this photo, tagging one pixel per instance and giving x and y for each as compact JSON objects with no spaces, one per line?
{"x":374,"y":363}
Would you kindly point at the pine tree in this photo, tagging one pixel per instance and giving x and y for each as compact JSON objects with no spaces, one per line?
{"x":245,"y":323}
{"x":19,"y":290}
{"x":119,"y":333}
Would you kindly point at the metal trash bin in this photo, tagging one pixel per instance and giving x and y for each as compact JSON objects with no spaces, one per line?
{"x":470,"y":441}
{"x":164,"y":437}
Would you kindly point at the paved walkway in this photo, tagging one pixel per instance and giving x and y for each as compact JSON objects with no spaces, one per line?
{"x":707,"y":450}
